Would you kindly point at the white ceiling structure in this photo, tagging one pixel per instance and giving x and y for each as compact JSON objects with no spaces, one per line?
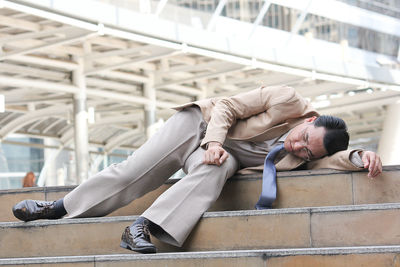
{"x":121,"y":50}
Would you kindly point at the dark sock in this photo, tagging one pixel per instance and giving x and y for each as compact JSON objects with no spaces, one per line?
{"x":59,"y":208}
{"x":153,"y":228}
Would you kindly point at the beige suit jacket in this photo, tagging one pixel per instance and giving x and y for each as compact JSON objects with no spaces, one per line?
{"x":263,"y":114}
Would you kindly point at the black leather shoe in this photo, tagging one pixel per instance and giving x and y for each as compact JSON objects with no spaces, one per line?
{"x":30,"y":210}
{"x":139,"y":239}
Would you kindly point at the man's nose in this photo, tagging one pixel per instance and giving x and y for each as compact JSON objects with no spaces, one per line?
{"x":298,"y":146}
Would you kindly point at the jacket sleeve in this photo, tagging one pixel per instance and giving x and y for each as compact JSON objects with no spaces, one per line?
{"x":341,"y":160}
{"x":264,"y":99}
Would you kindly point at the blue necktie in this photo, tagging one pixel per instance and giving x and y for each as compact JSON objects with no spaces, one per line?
{"x":268,"y":193}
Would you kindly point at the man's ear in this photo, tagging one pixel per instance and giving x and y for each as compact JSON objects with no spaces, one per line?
{"x":311,"y":119}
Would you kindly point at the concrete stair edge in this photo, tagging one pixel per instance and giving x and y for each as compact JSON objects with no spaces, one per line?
{"x":206,"y":254}
{"x":314,"y":188}
{"x":345,"y":208}
{"x":252,"y":176}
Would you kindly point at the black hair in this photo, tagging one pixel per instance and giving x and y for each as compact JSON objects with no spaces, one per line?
{"x":336,"y":136}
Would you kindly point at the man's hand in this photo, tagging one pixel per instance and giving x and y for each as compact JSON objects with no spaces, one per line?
{"x":373,"y":162}
{"x":215,"y":154}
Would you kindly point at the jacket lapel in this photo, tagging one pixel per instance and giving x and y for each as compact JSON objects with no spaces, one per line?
{"x":271,"y":133}
{"x":289,"y":162}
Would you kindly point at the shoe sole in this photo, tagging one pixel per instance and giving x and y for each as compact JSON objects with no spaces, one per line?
{"x":144,"y":250}
{"x":21,"y":215}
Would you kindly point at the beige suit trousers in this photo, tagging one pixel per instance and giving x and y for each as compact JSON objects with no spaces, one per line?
{"x":175,"y":146}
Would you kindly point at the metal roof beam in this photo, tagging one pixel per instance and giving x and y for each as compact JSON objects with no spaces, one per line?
{"x":359,"y":105}
{"x":260,"y":16}
{"x":132,"y":62}
{"x":45,"y":62}
{"x":140,"y":50}
{"x":123,"y":76}
{"x":271,"y":50}
{"x":33,"y":35}
{"x":209,"y":65}
{"x":38,"y":84}
{"x":36,"y":123}
{"x":51,"y":86}
{"x":160,"y":7}
{"x":216,"y":14}
{"x":114,"y":142}
{"x":19,"y":23}
{"x":37,"y":72}
{"x":188,"y":90}
{"x":198,"y":77}
{"x":113,"y":85}
{"x":67,"y":40}
{"x":51,"y":125}
{"x":30,"y":117}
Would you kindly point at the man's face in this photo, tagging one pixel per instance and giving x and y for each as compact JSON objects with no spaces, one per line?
{"x":306,"y":141}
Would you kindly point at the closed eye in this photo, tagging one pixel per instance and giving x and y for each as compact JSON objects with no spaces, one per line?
{"x":308,"y":151}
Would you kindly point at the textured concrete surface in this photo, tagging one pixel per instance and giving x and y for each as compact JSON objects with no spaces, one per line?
{"x":331,"y":219}
{"x":245,"y":232}
{"x":312,"y":191}
{"x":230,"y":230}
{"x":383,"y":189}
{"x":356,"y":228}
{"x":342,"y":256}
{"x":295,"y":189}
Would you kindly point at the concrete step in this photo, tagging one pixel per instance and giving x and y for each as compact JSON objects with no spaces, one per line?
{"x":362,"y":225}
{"x":327,"y":257}
{"x":295,"y":189}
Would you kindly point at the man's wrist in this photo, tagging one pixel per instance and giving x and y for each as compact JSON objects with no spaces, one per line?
{"x":213,"y":143}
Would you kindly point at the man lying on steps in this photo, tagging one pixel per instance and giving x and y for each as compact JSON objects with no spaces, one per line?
{"x":210,"y":139}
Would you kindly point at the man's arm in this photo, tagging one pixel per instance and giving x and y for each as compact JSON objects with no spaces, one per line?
{"x":350,"y":160}
{"x":279,"y":103}
{"x":272,"y":100}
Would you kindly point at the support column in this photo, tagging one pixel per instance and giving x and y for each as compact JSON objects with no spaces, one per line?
{"x":105,"y":160}
{"x":81,"y":124}
{"x":150,"y":110}
{"x":389,"y":144}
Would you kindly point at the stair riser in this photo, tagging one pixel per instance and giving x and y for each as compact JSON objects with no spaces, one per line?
{"x":294,"y":191}
{"x":287,"y":230}
{"x":376,"y":259}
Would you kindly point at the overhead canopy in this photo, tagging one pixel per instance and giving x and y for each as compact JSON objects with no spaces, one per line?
{"x":123,"y":50}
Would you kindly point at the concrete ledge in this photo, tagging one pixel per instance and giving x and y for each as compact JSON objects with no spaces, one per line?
{"x":264,"y":253}
{"x":253,"y":176}
{"x":340,"y":226}
{"x":217,"y":214}
{"x":308,"y":188}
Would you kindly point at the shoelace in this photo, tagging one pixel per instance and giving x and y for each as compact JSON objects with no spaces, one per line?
{"x":142,"y":231}
{"x":44,"y":204}
{"x":46,"y":207}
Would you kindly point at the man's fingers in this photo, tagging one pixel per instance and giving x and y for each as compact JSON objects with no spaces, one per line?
{"x":378,"y":167}
{"x":209,"y":157}
{"x":366,"y":159}
{"x":372,"y":166}
{"x":224,"y":156}
{"x":373,"y":162}
{"x":216,"y":157}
